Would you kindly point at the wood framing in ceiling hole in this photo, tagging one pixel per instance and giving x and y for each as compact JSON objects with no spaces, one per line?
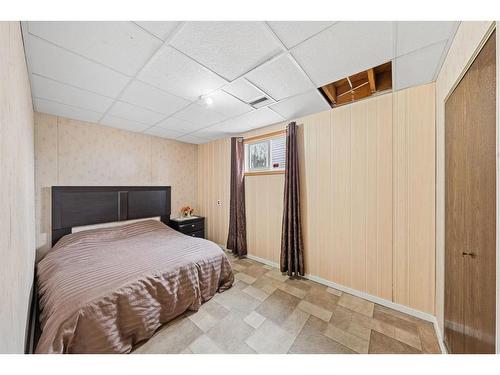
{"x":358,"y":86}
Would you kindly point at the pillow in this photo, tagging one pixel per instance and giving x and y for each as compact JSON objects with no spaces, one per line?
{"x":110,"y":225}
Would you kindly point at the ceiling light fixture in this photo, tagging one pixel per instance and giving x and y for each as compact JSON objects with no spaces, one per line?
{"x":207,"y":101}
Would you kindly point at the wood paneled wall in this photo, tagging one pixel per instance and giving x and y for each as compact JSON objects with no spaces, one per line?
{"x":214,"y":176}
{"x":414,"y":197}
{"x":367,"y":196}
{"x":346,"y":174}
{"x":264,"y":208}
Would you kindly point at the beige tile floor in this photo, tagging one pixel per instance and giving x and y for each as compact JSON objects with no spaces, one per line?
{"x":266,"y":312}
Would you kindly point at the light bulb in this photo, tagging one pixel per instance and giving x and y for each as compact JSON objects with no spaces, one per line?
{"x":208,"y":101}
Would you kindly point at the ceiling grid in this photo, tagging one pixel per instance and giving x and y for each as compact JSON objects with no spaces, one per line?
{"x":155,"y":77}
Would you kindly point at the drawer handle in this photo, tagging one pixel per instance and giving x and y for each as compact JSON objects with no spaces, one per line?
{"x":192,"y":225}
{"x":472,"y":255}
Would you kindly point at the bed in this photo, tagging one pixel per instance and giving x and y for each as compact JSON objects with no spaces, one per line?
{"x":104,"y":290}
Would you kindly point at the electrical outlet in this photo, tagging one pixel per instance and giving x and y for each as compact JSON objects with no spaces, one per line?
{"x":218,"y":202}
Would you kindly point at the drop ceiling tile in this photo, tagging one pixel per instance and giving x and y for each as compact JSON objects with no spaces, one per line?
{"x":301,"y":105}
{"x":192,"y":139}
{"x":134,"y":113}
{"x":209,"y":134}
{"x":178,"y":125}
{"x":228,"y":105}
{"x":199,"y":115}
{"x":417,"y":34}
{"x":280,"y":78}
{"x":120,"y":123}
{"x":232,"y":126}
{"x":120,"y":45}
{"x":63,"y":110}
{"x":292,"y":33}
{"x":172,"y":71}
{"x":228,"y":48}
{"x":344,"y":49}
{"x":53,"y":62}
{"x":262,"y":117}
{"x":160,"y":29}
{"x":158,"y":131}
{"x":244,"y":90}
{"x":252,"y":120}
{"x":45,"y":88}
{"x":419,"y":67}
{"x":151,"y":98}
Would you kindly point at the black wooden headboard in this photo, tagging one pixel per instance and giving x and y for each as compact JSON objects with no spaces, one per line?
{"x":74,"y":206}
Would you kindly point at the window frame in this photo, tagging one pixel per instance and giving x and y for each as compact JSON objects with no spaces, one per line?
{"x":259,"y":138}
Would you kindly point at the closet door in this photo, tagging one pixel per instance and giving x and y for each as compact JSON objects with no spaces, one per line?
{"x":455,"y":220}
{"x":470,"y":221}
{"x":480,"y":202}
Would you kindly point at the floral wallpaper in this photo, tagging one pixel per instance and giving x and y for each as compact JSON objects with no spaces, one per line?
{"x":71,"y":152}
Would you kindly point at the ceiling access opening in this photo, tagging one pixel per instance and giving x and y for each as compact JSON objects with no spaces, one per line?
{"x":358,"y":86}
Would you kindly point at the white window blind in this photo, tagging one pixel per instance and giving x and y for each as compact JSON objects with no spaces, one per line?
{"x":278,"y":152}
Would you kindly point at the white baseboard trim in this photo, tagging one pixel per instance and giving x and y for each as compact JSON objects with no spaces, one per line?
{"x":381,"y":301}
{"x":262,"y":260}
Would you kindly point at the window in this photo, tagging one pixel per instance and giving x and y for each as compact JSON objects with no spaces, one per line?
{"x":265,"y":154}
{"x":258,"y":155}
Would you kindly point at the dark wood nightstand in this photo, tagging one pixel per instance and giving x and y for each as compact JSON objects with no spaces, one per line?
{"x":194,"y":226}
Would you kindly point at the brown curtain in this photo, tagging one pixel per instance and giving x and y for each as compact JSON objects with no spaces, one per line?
{"x":237,"y":237}
{"x":292,"y":246}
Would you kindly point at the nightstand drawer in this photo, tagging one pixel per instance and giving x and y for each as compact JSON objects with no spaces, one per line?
{"x":194,"y":226}
{"x":198,"y":234}
{"x":191,"y":227}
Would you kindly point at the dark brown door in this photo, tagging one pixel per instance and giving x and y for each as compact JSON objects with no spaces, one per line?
{"x":471,"y":208}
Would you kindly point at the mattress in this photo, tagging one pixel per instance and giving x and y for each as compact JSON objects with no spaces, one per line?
{"x":105,"y":290}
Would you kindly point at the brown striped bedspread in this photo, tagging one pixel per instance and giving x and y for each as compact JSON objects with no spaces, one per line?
{"x":104,"y":290}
